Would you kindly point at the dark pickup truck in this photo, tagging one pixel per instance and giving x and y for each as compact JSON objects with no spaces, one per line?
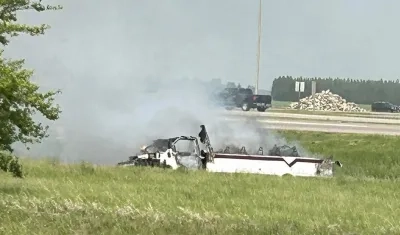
{"x":383,"y":106}
{"x":243,"y":98}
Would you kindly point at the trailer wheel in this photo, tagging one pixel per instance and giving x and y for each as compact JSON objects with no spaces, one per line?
{"x":245,"y":107}
{"x":260,"y":109}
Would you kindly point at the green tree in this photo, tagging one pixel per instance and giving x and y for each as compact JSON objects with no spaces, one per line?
{"x":20,"y":98}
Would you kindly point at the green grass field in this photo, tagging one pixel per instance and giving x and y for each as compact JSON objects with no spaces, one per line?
{"x":363,"y":197}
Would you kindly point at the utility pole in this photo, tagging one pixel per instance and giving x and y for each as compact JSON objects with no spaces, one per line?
{"x":258,"y":49}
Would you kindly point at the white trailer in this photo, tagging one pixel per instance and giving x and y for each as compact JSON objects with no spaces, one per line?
{"x":185,"y":151}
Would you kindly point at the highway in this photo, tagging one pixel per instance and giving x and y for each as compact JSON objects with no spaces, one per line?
{"x":309,"y":123}
{"x":267,"y":114}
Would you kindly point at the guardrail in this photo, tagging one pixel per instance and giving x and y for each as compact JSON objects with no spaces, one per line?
{"x":311,"y":117}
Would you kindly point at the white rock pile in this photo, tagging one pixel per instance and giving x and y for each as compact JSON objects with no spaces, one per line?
{"x":326,"y":101}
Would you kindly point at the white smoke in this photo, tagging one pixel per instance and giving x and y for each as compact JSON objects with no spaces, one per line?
{"x":120,"y":74}
{"x":105,"y":131}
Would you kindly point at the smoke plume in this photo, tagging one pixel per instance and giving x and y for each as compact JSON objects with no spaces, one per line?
{"x":110,"y":128}
{"x":120,"y":66}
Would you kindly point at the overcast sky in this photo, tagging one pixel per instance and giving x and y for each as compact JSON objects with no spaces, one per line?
{"x":218,"y":38}
{"x":97,"y":52}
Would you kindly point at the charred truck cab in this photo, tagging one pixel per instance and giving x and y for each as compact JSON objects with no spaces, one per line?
{"x":169,"y":153}
{"x":185,"y":151}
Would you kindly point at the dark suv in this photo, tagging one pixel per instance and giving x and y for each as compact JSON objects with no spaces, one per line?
{"x":384,"y":107}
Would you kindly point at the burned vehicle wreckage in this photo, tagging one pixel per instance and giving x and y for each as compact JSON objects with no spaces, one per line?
{"x":280,"y":160}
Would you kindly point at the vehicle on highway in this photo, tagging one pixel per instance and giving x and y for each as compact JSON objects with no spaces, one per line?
{"x":383,"y":106}
{"x":243,"y":98}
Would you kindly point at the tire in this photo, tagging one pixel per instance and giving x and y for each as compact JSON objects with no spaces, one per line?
{"x":259,"y":109}
{"x":245,"y":107}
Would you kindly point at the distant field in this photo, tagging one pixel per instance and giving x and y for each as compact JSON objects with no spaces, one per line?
{"x":82,"y":199}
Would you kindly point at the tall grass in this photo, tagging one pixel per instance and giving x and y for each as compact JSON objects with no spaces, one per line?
{"x":55,"y":198}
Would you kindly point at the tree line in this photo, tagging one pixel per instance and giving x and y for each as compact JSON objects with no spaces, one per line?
{"x":353,"y":90}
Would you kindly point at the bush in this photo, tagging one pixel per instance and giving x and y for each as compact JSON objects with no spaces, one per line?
{"x":10,"y":163}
